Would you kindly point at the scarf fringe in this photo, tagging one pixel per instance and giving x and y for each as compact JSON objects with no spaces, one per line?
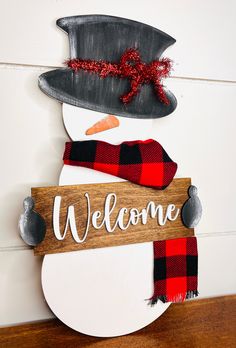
{"x":180,"y":297}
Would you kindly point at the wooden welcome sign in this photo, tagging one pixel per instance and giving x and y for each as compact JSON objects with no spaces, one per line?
{"x":101,"y":215}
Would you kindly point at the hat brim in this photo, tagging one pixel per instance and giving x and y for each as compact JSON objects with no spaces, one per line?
{"x":89,"y":91}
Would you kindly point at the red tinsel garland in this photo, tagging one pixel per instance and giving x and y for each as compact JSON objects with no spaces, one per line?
{"x":131,"y":67}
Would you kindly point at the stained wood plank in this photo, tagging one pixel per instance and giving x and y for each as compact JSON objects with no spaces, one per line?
{"x":201,"y":323}
{"x":128,"y":195}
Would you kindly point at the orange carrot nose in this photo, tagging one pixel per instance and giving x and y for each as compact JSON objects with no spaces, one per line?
{"x":108,"y":122}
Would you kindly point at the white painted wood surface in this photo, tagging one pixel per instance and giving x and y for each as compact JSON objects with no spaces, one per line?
{"x":115,"y":281}
{"x":199,"y":135}
{"x":205,"y":31}
{"x":31,"y":144}
{"x":21,"y":297}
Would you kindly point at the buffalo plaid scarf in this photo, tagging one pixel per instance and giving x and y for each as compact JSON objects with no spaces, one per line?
{"x":146,"y":163}
{"x":175,"y":270}
{"x":141,"y":162}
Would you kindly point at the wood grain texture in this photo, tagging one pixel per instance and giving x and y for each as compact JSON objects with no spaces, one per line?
{"x":128,"y":195}
{"x":193,"y":324}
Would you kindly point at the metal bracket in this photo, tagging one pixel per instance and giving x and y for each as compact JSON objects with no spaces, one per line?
{"x":31,"y":224}
{"x":192,"y":209}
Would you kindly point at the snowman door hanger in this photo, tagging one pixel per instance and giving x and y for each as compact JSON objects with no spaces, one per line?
{"x":117,"y":233}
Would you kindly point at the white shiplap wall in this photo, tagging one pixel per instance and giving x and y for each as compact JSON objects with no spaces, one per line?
{"x":200,"y":133}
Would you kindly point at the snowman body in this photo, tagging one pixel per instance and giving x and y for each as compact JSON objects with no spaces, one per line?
{"x":101,"y":292}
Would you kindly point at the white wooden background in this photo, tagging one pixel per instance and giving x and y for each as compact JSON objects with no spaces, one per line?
{"x":200,"y":134}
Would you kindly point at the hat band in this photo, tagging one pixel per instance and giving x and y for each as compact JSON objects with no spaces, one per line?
{"x":130,"y":67}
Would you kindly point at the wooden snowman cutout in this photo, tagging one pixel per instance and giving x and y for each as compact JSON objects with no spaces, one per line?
{"x":103,"y":292}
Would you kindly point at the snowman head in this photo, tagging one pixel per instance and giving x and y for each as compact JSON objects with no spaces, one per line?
{"x":78,"y":120}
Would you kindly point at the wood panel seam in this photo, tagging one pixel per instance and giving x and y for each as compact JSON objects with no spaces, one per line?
{"x":38,"y":67}
{"x":7,"y":248}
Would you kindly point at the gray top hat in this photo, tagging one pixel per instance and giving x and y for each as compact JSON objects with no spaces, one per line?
{"x":100,"y":37}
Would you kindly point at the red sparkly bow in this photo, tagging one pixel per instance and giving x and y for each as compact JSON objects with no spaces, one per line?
{"x":131,"y":67}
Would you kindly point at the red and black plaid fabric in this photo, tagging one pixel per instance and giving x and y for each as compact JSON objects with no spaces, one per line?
{"x":175,"y":270}
{"x":141,"y":162}
{"x":146,"y":163}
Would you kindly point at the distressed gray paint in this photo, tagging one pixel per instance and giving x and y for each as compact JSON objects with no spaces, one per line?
{"x":105,"y":37}
{"x":32,"y":225}
{"x":192,"y":209}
